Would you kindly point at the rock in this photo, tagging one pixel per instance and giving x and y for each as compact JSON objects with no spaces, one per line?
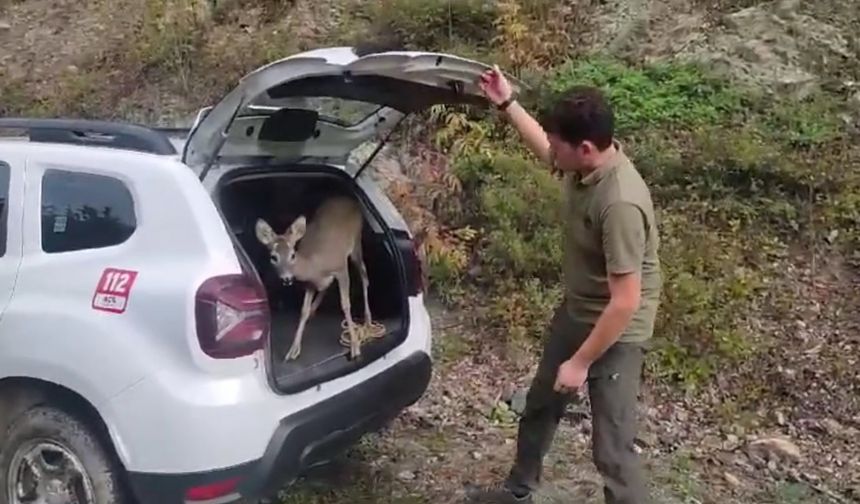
{"x":574,"y":413}
{"x":741,"y":462}
{"x":477,"y":455}
{"x":4,"y":25}
{"x":671,"y":440}
{"x":787,"y":8}
{"x":810,"y":477}
{"x":832,"y":427}
{"x":731,"y":443}
{"x":406,"y":475}
{"x":723,"y":459}
{"x":585,"y":428}
{"x":775,"y":448}
{"x":647,"y":439}
{"x":731,"y":479}
{"x":518,"y":401}
{"x":780,"y":418}
{"x":754,"y":51}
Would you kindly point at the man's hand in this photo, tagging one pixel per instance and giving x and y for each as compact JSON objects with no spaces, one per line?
{"x":614,"y":319}
{"x":571,"y":376}
{"x":495,"y":86}
{"x":498,"y":90}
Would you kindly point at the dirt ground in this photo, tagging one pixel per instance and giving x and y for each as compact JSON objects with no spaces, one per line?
{"x":462,"y":431}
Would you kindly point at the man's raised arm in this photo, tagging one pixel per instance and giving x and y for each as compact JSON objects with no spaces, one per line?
{"x":498,"y":90}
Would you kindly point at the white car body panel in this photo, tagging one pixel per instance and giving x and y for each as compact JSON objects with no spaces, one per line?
{"x":168,"y":407}
{"x":211,"y":423}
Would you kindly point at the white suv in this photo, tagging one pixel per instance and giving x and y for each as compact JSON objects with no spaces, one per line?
{"x":142,"y":326}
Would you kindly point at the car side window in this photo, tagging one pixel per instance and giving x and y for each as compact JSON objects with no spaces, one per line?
{"x":84,"y":211}
{"x":5,"y":173}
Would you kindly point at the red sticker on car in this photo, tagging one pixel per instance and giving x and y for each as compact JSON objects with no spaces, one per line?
{"x":113,"y":290}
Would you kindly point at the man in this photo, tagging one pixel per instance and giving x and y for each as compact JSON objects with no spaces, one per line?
{"x":612,"y":285}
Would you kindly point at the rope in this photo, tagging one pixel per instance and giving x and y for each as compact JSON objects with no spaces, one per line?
{"x":365,"y":332}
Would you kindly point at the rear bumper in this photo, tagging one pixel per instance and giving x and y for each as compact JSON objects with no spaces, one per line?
{"x":304,"y":439}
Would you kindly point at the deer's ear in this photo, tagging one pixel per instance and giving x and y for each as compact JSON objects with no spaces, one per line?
{"x":265,"y":233}
{"x":298,"y":228}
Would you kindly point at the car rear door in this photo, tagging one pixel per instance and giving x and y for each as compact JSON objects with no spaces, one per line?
{"x":396,"y":82}
{"x":11,"y":213}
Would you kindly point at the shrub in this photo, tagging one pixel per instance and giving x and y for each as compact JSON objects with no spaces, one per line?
{"x":708,"y":294}
{"x":535,"y":34}
{"x":433,"y":24}
{"x":804,"y":124}
{"x":752,"y":182}
{"x":76,"y":95}
{"x":515,"y":204}
{"x":668,"y":94}
{"x":170,"y":34}
{"x":269,"y":10}
{"x":448,"y":257}
{"x":14,"y":97}
{"x":522,"y":308}
{"x":735,"y":176}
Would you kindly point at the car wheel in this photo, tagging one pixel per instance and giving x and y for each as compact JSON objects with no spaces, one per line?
{"x":52,"y":457}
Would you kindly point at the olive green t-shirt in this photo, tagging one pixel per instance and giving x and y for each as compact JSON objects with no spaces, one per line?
{"x":609,"y":227}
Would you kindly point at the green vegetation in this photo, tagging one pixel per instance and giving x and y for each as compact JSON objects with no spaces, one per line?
{"x":433,"y":25}
{"x":348,"y":479}
{"x":681,"y":477}
{"x":662,"y":95}
{"x":785,"y":492}
{"x":738,"y":178}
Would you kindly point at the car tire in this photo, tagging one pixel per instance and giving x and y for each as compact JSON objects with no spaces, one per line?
{"x":53,"y":439}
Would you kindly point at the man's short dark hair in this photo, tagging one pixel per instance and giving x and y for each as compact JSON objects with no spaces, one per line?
{"x":582,"y":113}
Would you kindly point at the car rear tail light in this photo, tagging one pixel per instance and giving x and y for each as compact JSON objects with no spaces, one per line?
{"x":418,"y":270}
{"x":233,"y":317}
{"x":212,"y":491}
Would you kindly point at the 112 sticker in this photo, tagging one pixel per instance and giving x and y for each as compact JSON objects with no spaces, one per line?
{"x":113,"y":290}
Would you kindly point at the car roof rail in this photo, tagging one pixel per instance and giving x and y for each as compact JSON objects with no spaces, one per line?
{"x":93,"y":133}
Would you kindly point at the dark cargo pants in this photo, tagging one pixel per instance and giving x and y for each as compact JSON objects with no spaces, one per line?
{"x":613,"y":387}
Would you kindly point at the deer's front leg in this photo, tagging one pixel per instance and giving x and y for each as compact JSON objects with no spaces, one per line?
{"x":317,"y":301}
{"x":342,"y":278}
{"x":358,"y":259}
{"x":296,"y":347}
{"x":362,"y":269}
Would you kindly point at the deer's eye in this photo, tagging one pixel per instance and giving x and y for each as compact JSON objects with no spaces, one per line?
{"x":273,"y":257}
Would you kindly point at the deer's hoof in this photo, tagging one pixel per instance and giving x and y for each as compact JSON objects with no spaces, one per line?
{"x":293,"y":354}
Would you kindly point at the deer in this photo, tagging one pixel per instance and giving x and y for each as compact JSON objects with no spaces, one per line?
{"x":317,"y":253}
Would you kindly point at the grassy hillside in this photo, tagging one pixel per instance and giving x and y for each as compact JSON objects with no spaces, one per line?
{"x":758,"y":190}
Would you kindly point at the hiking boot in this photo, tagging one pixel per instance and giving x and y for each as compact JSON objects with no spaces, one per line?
{"x":495,"y":494}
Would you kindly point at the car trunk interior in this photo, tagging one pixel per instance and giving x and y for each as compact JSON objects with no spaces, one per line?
{"x":279,"y":196}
